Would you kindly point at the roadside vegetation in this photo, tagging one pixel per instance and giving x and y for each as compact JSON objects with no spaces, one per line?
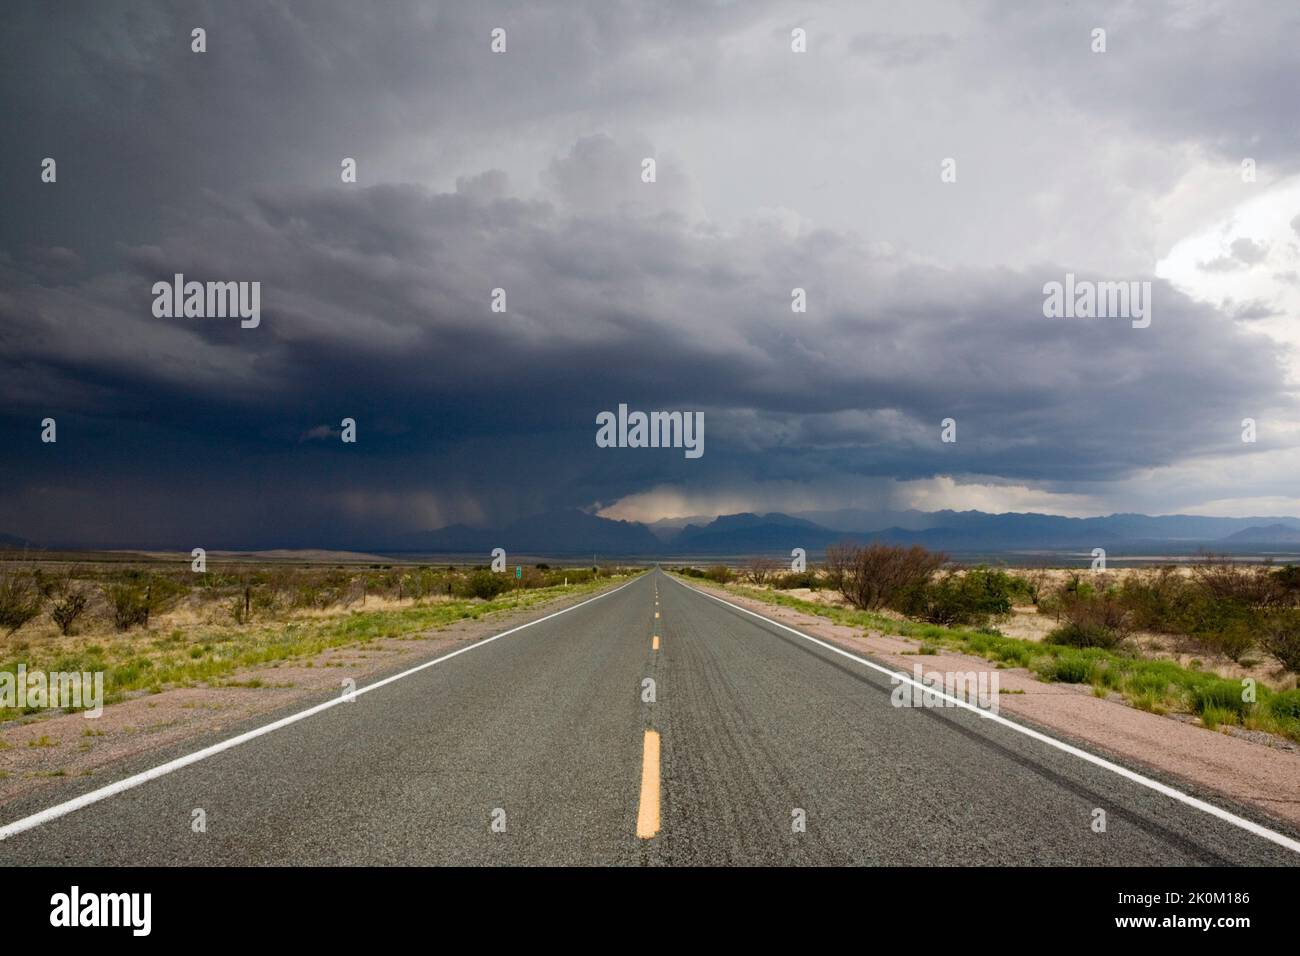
{"x":1218,"y":609}
{"x":151,"y":627}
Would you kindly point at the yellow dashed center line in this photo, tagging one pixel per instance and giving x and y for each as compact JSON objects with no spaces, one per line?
{"x":656,"y":615}
{"x":647,"y":818}
{"x":654,"y":645}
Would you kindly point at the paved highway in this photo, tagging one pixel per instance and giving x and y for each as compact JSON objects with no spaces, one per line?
{"x":549,"y":745}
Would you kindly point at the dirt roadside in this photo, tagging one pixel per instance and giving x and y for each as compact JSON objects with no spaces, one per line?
{"x":48,"y":753}
{"x":1254,"y":774}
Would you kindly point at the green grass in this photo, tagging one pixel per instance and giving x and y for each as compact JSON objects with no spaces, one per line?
{"x":1157,"y":686}
{"x":151,"y":662}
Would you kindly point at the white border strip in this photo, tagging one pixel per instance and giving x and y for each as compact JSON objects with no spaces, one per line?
{"x":1251,"y":827}
{"x":112,"y":789}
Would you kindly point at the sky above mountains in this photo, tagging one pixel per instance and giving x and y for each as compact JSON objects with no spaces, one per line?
{"x":522,"y":170}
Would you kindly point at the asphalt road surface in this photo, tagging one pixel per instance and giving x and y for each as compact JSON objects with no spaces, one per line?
{"x":548,"y":746}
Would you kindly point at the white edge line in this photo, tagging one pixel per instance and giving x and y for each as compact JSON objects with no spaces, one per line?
{"x":1250,"y":826}
{"x":128,"y":783}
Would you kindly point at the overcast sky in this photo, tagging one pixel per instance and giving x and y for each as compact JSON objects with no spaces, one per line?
{"x":522,"y":170}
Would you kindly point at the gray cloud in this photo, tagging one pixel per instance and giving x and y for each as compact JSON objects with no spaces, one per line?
{"x":522,"y":172}
{"x":893,"y":50}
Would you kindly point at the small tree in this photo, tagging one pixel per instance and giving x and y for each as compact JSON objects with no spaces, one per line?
{"x":67,"y":602}
{"x":130,"y":603}
{"x":20,"y":600}
{"x":1280,"y":637}
{"x":758,"y":570}
{"x":875,"y":576}
{"x":138,"y":595}
{"x":836,"y":566}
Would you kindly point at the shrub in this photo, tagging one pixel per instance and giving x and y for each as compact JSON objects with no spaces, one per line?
{"x":1280,"y":637}
{"x":1248,"y":585}
{"x":1162,"y":600}
{"x":138,"y":595}
{"x":130,"y":603}
{"x":796,"y":579}
{"x":483,"y":584}
{"x":1287,"y":580}
{"x":1232,"y":640}
{"x":20,"y":600}
{"x":1074,"y":588}
{"x":877,"y":575}
{"x":720,"y":573}
{"x":1100,"y":621}
{"x":966,"y":598}
{"x":66,"y":606}
{"x":758,"y":570}
{"x":1032,"y":585}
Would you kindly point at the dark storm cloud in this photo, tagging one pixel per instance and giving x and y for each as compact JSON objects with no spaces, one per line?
{"x":376,"y":306}
{"x":139,"y":124}
{"x":375,"y":296}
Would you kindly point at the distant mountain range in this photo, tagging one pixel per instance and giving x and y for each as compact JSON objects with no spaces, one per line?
{"x":573,"y":533}
{"x":1268,"y":534}
{"x":578,"y":532}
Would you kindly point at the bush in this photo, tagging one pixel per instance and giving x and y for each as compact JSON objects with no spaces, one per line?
{"x":720,"y":573}
{"x":1032,"y":585}
{"x":483,"y":584}
{"x":1100,"y":621}
{"x":1232,"y":640}
{"x":758,"y":570}
{"x":138,"y":595}
{"x":68,"y":604}
{"x":1287,"y":580}
{"x":1253,"y":585}
{"x":969,"y":598}
{"x":1280,"y":637}
{"x":1162,"y":600}
{"x":878,"y":575}
{"x":796,"y":579}
{"x":20,"y":600}
{"x":130,"y":603}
